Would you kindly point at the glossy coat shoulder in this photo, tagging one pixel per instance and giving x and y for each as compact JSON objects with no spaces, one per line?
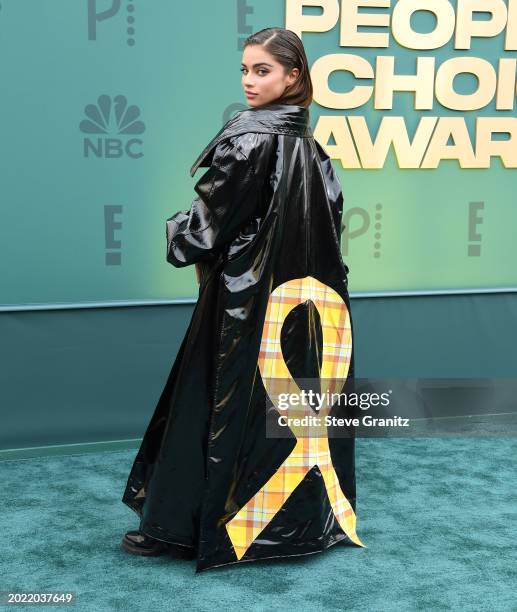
{"x":257,"y":147}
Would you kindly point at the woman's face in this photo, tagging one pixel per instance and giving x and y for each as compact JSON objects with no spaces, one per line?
{"x":263,"y":76}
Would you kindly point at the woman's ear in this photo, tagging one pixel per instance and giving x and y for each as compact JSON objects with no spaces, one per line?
{"x":293,"y":76}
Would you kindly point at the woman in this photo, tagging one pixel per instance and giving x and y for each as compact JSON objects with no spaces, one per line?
{"x":216,"y":477}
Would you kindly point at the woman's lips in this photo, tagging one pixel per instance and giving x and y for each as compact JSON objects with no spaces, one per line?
{"x":250,"y":94}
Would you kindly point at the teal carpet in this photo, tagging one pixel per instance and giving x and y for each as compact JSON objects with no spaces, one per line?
{"x":438,"y":517}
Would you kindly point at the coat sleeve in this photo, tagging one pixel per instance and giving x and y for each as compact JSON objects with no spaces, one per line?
{"x":226,"y":197}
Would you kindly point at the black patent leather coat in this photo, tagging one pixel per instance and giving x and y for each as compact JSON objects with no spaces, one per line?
{"x":265,"y":226}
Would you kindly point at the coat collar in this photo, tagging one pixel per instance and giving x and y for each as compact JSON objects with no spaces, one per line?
{"x":287,"y":119}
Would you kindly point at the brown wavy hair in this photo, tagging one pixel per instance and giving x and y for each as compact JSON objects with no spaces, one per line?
{"x":287,"y":49}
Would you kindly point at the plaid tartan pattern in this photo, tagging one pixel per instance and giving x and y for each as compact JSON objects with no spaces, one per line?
{"x":309,"y":451}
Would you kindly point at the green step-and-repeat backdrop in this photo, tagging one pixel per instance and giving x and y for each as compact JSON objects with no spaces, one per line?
{"x":105,"y":104}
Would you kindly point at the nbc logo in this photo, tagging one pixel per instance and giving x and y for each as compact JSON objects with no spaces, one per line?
{"x":112,"y":116}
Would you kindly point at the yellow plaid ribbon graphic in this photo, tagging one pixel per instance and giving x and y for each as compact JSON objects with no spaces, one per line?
{"x":309,"y":451}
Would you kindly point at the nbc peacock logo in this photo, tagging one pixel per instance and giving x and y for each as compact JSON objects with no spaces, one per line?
{"x":112,"y":126}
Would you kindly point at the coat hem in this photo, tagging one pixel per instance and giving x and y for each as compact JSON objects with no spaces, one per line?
{"x":199,"y":570}
{"x":182,"y":544}
{"x":151,"y":533}
{"x":241,"y":561}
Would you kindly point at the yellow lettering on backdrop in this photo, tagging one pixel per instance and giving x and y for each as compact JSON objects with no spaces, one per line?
{"x":429,"y":144}
{"x":454,"y":21}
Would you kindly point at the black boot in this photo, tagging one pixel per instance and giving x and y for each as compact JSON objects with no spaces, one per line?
{"x":138,"y":543}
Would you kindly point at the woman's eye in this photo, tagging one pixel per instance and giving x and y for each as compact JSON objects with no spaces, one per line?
{"x":261,"y":71}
